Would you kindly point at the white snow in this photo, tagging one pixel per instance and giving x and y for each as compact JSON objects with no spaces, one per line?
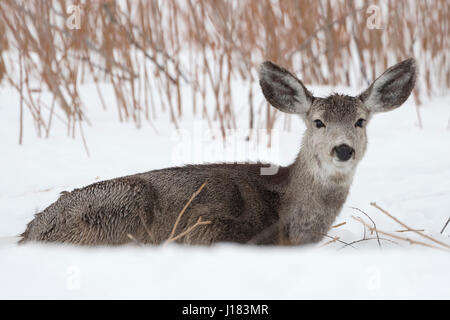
{"x":406,"y":170}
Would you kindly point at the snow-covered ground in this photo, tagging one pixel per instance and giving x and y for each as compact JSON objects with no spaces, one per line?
{"x":406,"y":170}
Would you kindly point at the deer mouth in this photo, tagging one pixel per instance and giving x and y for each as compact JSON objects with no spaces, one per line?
{"x":342,"y":164}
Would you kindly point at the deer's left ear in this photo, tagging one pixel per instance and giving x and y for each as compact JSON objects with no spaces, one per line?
{"x":392,"y":88}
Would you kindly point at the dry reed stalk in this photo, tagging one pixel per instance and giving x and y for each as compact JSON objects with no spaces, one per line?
{"x":199,"y":222}
{"x":180,"y":215}
{"x":411,"y":241}
{"x":334,"y":239}
{"x":172,"y":237}
{"x":338,"y":225}
{"x":410,"y":229}
{"x":139,"y":49}
{"x":330,"y":242}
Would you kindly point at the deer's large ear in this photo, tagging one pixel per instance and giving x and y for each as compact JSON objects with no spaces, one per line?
{"x":392,"y":88}
{"x":283,"y":90}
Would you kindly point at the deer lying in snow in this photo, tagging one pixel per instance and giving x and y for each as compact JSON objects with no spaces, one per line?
{"x":297,"y":205}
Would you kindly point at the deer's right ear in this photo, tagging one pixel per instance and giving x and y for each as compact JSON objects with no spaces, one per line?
{"x":283,"y":90}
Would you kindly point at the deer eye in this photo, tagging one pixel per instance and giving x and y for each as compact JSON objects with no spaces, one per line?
{"x":360,"y":123}
{"x":319,"y":124}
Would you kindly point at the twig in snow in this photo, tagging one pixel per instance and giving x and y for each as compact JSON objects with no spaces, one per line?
{"x":405,"y":226}
{"x":411,"y":241}
{"x":373,"y":222}
{"x":445,"y":226}
{"x":338,"y":225}
{"x":368,"y":239}
{"x":329,"y":242}
{"x":335,"y":239}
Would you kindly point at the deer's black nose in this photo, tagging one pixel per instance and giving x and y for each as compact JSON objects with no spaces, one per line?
{"x":344,"y":152}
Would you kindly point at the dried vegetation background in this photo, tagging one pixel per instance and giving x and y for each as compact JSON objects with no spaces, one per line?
{"x":156,"y":53}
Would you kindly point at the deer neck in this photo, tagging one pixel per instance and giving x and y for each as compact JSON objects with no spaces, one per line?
{"x":313,"y":197}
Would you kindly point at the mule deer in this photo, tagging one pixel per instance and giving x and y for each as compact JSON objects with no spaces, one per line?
{"x":297,"y":205}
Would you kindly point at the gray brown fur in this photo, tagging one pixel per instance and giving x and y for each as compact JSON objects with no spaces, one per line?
{"x":297,"y":205}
